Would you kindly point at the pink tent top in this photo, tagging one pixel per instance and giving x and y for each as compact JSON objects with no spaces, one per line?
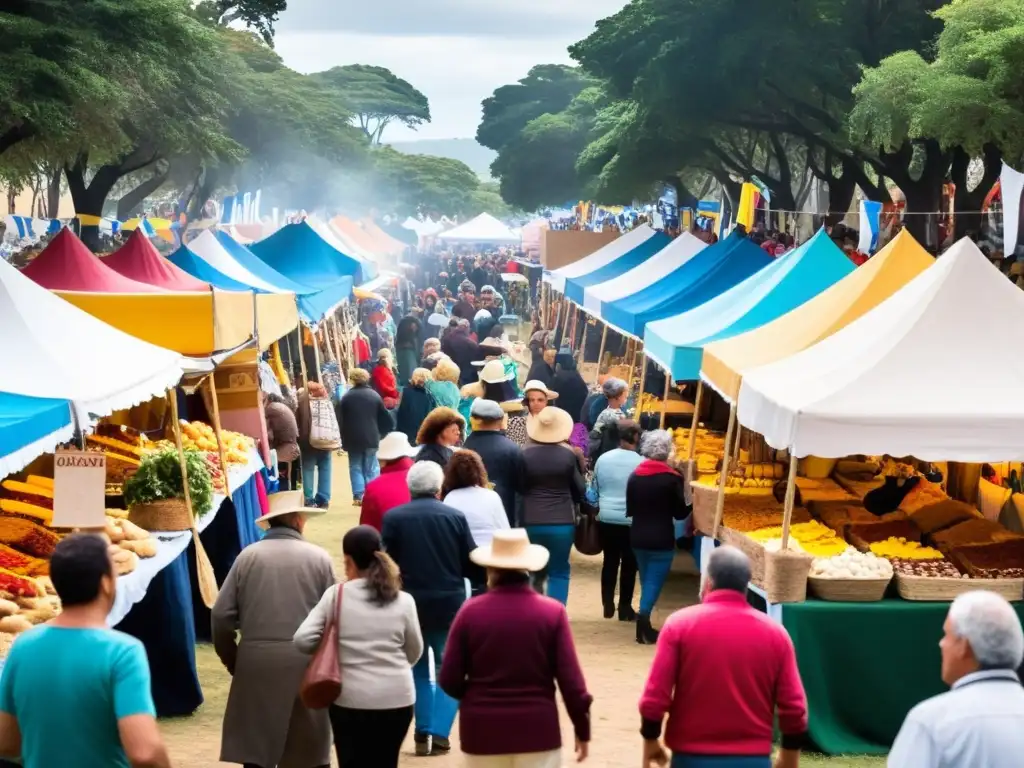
{"x":67,"y":265}
{"x":139,"y":260}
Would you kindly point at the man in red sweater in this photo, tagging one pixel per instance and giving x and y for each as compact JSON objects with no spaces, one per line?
{"x":389,"y":489}
{"x":721,"y":672}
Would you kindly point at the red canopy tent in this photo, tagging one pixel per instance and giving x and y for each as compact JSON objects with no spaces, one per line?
{"x":67,"y":265}
{"x":139,"y":260}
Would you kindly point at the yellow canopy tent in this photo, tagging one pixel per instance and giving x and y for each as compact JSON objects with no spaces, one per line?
{"x":890,"y":269}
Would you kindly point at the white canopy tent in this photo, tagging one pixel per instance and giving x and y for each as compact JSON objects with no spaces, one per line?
{"x":658,"y":267}
{"x":600,"y":258}
{"x":52,"y":349}
{"x":483,"y":229}
{"x":927,"y":373}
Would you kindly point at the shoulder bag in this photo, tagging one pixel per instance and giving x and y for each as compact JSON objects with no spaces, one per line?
{"x":324,"y":434}
{"x":587,"y":538}
{"x":321,"y":685}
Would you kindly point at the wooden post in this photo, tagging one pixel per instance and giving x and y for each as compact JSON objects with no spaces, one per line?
{"x":572,"y":336}
{"x":543,"y":305}
{"x":696,"y":419}
{"x":643,"y":378}
{"x":302,"y":357}
{"x":736,"y":450}
{"x":316,"y":356}
{"x":600,"y":354}
{"x":565,"y":321}
{"x":217,"y":431}
{"x":338,"y":349}
{"x":724,"y":474}
{"x":664,"y":402}
{"x":787,"y":510}
{"x":582,"y":354}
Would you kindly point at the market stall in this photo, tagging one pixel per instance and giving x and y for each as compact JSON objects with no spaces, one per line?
{"x":616,"y":268}
{"x":869,"y":546}
{"x":484,"y":229}
{"x":604,"y":256}
{"x":139,"y":260}
{"x":299,"y":252}
{"x":30,"y":426}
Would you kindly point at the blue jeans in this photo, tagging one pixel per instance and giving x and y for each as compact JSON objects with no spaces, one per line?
{"x":314,"y":460}
{"x":558,"y":541}
{"x":435,"y":709}
{"x":719,"y":761}
{"x":654,"y":565}
{"x":362,"y":468}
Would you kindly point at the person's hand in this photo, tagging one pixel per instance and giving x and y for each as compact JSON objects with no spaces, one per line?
{"x":654,"y":754}
{"x":582,"y":750}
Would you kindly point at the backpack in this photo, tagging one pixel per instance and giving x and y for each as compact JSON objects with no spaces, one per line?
{"x":324,"y":434}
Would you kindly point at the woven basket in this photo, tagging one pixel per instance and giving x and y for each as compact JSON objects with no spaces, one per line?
{"x":940,"y":589}
{"x":752,"y":549}
{"x":782,"y":575}
{"x":705,"y":499}
{"x":163,"y":515}
{"x":849,"y":590}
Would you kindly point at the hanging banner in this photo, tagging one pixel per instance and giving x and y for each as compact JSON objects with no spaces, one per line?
{"x":1011,"y":183}
{"x":870,"y":226}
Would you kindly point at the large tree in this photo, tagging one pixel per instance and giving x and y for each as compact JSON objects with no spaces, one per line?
{"x":260,"y":15}
{"x":377,"y":97}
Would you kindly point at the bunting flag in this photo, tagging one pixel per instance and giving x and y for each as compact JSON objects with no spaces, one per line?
{"x":1011,"y":185}
{"x":870,"y":226}
{"x":747,"y":206}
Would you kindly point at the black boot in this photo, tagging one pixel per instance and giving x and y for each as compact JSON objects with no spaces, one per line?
{"x":645,"y":633}
{"x":609,"y":610}
{"x":626,"y":612}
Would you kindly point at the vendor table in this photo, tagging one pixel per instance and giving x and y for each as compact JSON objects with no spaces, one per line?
{"x":162,"y":606}
{"x":863,"y":665}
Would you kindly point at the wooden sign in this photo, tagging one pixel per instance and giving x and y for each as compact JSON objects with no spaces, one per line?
{"x":79,"y":489}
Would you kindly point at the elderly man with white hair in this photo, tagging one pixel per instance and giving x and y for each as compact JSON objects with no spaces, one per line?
{"x":431,"y":542}
{"x":980,"y":720}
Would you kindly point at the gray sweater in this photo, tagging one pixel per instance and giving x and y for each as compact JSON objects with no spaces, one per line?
{"x":378,"y":646}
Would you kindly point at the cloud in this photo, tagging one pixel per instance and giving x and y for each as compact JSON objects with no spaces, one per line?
{"x":457,"y":18}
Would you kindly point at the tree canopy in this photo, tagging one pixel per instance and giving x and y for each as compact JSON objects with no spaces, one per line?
{"x":377,"y":97}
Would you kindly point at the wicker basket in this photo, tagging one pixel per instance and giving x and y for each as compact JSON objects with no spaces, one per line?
{"x":782,"y":575}
{"x":163,"y":515}
{"x":940,"y":589}
{"x":849,"y":590}
{"x":705,"y":499}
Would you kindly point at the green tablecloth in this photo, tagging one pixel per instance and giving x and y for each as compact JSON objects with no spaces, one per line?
{"x":865,"y":665}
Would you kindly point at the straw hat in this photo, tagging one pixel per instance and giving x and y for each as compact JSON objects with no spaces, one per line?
{"x":552,"y":425}
{"x":285,"y":503}
{"x":511,"y":550}
{"x":493,"y":372}
{"x":538,"y":386}
{"x":395,"y":446}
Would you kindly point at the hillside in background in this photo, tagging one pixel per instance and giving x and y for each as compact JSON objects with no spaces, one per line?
{"x":477,"y":157}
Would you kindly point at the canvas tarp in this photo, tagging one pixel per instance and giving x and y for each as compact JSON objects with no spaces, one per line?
{"x":30,"y":427}
{"x":677,"y":343}
{"x":139,"y":260}
{"x":654,"y":270}
{"x":886,"y":272}
{"x":927,"y":373}
{"x":299,"y":252}
{"x":714,"y":270}
{"x":483,"y":229}
{"x":600,"y":258}
{"x":642,"y":254}
{"x":65,"y":264}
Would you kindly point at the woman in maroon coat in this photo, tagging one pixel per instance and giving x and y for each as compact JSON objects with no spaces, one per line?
{"x":507,"y":710}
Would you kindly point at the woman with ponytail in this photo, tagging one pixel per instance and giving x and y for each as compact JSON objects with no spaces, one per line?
{"x":379,"y":641}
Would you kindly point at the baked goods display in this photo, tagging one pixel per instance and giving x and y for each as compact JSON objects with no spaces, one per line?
{"x":814,"y":538}
{"x":898,"y":548}
{"x":935,"y":568}
{"x":852,"y":564}
{"x":997,"y":560}
{"x":863,"y":535}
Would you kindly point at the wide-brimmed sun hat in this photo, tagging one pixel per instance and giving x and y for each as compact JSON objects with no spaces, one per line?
{"x":511,"y":550}
{"x":538,"y":386}
{"x":395,"y":446}
{"x":285,"y":503}
{"x":552,"y":425}
{"x":493,"y":372}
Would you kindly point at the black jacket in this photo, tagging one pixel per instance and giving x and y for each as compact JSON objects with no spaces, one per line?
{"x":363,"y":419}
{"x":592,"y":407}
{"x":436,"y":453}
{"x":654,"y":500}
{"x":413,"y":408}
{"x":503,"y":460}
{"x":542,"y":372}
{"x":553,"y":485}
{"x":464,"y":352}
{"x":572,"y":392}
{"x":431,"y":543}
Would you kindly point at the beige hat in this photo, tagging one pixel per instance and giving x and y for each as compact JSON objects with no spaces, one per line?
{"x":494,"y":372}
{"x":285,"y":503}
{"x":538,"y":386}
{"x":552,"y":425}
{"x":395,"y":446}
{"x":511,"y":550}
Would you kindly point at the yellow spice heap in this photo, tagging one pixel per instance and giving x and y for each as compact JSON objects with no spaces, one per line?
{"x":906,"y":550}
{"x":814,"y":537}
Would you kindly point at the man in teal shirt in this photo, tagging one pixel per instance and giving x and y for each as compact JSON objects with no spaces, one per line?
{"x":74,"y":692}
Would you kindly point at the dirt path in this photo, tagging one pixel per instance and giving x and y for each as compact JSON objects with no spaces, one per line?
{"x":614,"y":665}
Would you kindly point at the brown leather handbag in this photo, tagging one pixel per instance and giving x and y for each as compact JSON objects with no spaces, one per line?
{"x":321,"y":685}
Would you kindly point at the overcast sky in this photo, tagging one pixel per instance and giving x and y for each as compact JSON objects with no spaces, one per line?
{"x":455,"y":51}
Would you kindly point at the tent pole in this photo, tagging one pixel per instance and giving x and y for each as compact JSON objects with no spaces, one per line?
{"x":664,"y":402}
{"x":217,"y":432}
{"x":643,"y":378}
{"x":600,"y":354}
{"x":723,"y":476}
{"x":787,"y":511}
{"x":338,"y":349}
{"x":696,"y":419}
{"x":318,"y":375}
{"x":302,"y":356}
{"x":582,"y":355}
{"x":736,"y":449}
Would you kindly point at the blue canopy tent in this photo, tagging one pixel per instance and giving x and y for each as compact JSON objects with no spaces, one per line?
{"x":678,"y":342}
{"x":300,"y":253}
{"x":185,"y":259}
{"x":30,"y":427}
{"x":575,"y":287}
{"x":715,"y":269}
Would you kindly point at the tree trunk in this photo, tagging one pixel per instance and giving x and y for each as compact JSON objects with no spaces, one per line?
{"x":11,"y":195}
{"x":967,"y":202}
{"x":53,"y":193}
{"x":923,"y":194}
{"x":840,"y":195}
{"x":130,"y":203}
{"x":684,"y":197}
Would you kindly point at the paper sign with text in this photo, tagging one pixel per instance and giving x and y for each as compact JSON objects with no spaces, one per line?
{"x":79,"y":489}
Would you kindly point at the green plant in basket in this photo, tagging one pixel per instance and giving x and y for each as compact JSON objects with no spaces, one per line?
{"x":159,"y":477}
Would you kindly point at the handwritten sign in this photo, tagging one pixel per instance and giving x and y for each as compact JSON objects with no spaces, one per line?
{"x":79,"y":489}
